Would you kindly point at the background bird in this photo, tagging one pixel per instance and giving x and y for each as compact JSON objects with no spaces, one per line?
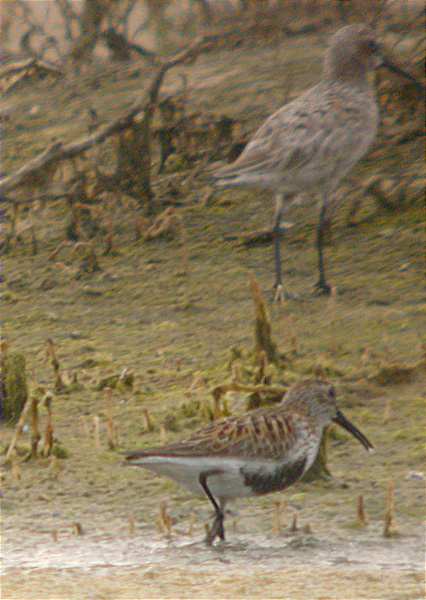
{"x":258,"y":453}
{"x":310,"y":144}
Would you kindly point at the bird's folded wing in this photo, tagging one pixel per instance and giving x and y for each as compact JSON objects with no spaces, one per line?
{"x":305,"y":138}
{"x":260,"y":434}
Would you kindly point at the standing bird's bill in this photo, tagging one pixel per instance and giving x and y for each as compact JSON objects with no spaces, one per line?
{"x":309,"y":145}
{"x":261,"y":452}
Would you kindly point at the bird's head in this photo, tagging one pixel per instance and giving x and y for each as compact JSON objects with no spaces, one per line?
{"x":353,"y":51}
{"x":318,"y":400}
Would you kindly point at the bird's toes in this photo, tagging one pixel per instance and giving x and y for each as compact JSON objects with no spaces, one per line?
{"x":281,"y":294}
{"x":322,"y":289}
{"x":283,"y":227}
{"x":216,"y":530}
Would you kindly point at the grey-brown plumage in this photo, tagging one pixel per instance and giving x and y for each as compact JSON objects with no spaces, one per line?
{"x":310,"y":144}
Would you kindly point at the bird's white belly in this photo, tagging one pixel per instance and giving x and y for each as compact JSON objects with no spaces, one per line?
{"x":232,"y":477}
{"x":225,"y":480}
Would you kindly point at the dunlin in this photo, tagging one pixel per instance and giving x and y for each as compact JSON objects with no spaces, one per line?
{"x":264,"y":451}
{"x":310,"y":144}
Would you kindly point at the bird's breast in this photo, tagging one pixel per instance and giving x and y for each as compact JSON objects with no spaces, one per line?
{"x":275,"y":478}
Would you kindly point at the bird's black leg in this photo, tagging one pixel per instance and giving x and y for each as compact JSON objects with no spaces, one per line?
{"x":217,"y":529}
{"x":277,"y":232}
{"x":322,"y":285}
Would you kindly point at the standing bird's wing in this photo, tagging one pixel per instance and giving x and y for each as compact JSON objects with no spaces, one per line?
{"x":315,"y":139}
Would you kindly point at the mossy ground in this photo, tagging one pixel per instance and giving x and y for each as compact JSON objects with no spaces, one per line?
{"x":175,"y":329}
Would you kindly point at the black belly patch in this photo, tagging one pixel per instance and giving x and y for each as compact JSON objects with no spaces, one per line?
{"x":263,"y":482}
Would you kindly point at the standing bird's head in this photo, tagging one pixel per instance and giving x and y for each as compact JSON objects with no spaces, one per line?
{"x":354,"y":51}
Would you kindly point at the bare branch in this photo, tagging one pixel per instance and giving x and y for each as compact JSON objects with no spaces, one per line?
{"x":58,"y":151}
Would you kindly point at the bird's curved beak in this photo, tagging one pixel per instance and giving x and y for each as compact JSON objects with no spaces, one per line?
{"x":383,"y":61}
{"x":341,"y":420}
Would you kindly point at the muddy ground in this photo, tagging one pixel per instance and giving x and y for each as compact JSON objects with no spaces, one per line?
{"x":174,"y":328}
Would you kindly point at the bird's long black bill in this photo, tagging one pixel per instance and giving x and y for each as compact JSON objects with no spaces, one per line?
{"x":385,"y":62}
{"x":341,"y":420}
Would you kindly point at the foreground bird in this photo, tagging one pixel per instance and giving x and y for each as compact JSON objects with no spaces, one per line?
{"x":310,"y":144}
{"x":264,"y":451}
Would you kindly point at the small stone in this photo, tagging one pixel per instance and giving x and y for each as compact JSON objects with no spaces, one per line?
{"x":416,"y":475}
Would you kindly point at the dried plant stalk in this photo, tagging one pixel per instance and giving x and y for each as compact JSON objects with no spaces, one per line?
{"x":48,"y":435}
{"x":35,"y":433}
{"x":277,"y":522}
{"x":389,"y":525}
{"x":217,"y":411}
{"x":148,"y":421}
{"x":263,"y":363}
{"x":360,"y":511}
{"x":165,"y":521}
{"x":262,"y":327}
{"x":77,"y":528}
{"x":51,"y":353}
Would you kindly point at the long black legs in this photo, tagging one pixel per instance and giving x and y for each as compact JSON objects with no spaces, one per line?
{"x":277,"y":257}
{"x":217,"y":529}
{"x":277,"y":232}
{"x":322,"y":285}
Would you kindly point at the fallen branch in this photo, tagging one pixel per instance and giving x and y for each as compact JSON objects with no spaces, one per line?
{"x":39,"y":65}
{"x":59,"y":151}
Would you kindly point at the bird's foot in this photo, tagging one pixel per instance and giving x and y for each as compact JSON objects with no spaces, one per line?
{"x":281,"y":294}
{"x":216,"y":530}
{"x":283,"y":228}
{"x":322,"y":288}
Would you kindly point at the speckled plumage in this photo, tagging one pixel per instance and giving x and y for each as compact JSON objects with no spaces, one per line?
{"x":310,"y":144}
{"x":260,"y":452}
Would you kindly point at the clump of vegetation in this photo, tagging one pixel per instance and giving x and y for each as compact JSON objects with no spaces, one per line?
{"x":14,"y":384}
{"x":123,"y":380}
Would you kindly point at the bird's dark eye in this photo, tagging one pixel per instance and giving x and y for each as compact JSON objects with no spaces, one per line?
{"x":373,"y":46}
{"x":332,"y":393}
